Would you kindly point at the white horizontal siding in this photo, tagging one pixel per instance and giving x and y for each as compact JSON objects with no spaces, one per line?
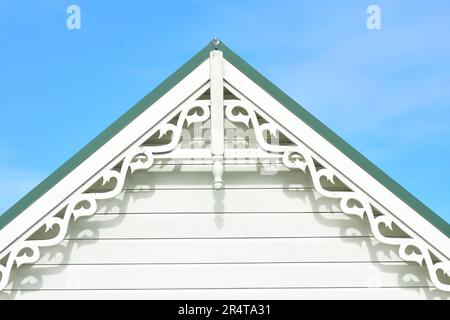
{"x":208,"y":200}
{"x":170,"y":235}
{"x":217,"y":251}
{"x":220,"y":225}
{"x":231,"y":276}
{"x":233,"y":294}
{"x":200,"y":178}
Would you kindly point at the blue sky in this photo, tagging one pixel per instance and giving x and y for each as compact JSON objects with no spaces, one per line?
{"x":386,"y":92}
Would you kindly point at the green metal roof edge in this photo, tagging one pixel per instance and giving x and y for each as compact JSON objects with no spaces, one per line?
{"x":266,"y":85}
{"x":105,"y":136}
{"x":336,"y":141}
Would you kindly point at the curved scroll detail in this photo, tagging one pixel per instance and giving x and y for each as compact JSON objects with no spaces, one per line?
{"x":27,"y":250}
{"x":352,"y":202}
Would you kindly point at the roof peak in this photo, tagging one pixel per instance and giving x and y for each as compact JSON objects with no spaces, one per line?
{"x":215,"y":42}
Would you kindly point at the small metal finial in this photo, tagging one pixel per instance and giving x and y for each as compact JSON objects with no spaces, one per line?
{"x":216,"y":43}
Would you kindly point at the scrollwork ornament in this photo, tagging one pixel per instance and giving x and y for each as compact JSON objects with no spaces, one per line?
{"x":84,"y":204}
{"x":295,"y":157}
{"x":352,"y":201}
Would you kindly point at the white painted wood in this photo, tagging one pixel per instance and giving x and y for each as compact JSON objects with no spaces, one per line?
{"x":232,"y":294}
{"x":204,"y":155}
{"x":192,"y":192}
{"x":232,"y":241}
{"x":229,"y":200}
{"x":253,"y":276}
{"x":326,"y":250}
{"x":159,"y":178}
{"x":212,"y":225}
{"x":104,"y":155}
{"x":302,"y":157}
{"x":412,"y":221}
{"x":262,"y":231}
{"x":217,"y":118}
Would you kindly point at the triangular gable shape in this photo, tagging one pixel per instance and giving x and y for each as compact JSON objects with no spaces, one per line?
{"x":194,"y":96}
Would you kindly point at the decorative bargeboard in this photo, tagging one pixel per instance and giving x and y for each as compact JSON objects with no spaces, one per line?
{"x":298,"y":156}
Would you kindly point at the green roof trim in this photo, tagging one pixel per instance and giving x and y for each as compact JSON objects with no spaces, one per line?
{"x":266,"y":85}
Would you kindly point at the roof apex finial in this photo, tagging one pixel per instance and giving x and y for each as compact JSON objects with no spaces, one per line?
{"x":216,"y":43}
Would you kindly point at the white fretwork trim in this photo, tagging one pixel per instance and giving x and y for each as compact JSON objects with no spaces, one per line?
{"x":299,"y":156}
{"x":336,"y":158}
{"x":411,"y":248}
{"x":27,"y":250}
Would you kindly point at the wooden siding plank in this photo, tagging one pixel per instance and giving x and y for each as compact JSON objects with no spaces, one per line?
{"x":201,"y":179}
{"x":219,"y":225}
{"x":417,"y":293}
{"x":218,"y":251}
{"x":350,"y":275}
{"x":230,"y":200}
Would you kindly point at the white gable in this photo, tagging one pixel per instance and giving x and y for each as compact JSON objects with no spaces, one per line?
{"x":218,"y":185}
